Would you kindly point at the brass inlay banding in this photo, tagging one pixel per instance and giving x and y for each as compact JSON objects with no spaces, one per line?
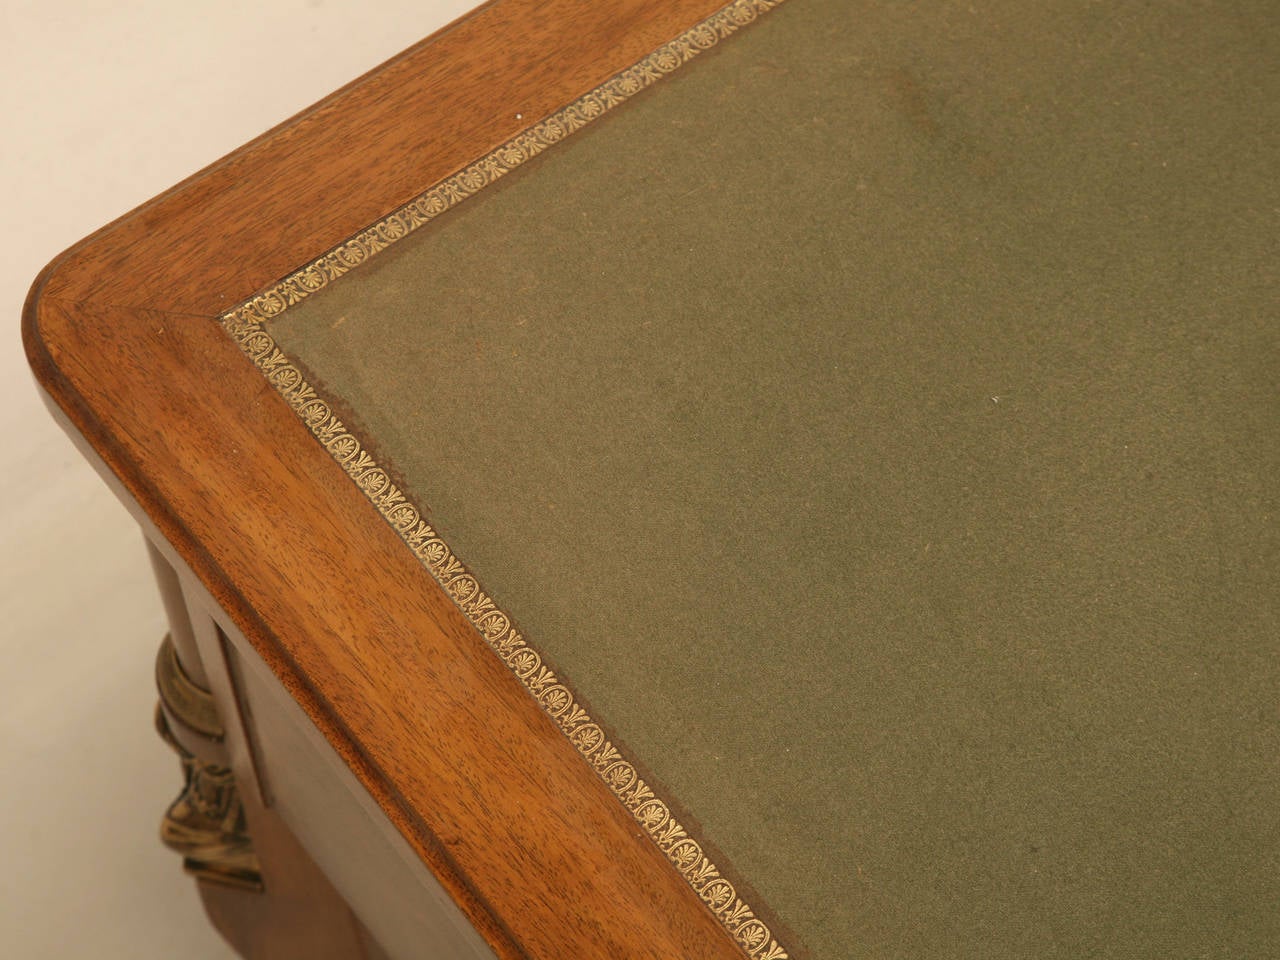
{"x":245,"y":325}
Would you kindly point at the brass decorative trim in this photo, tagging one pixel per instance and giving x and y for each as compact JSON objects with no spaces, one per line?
{"x":182,"y":697}
{"x":245,"y":325}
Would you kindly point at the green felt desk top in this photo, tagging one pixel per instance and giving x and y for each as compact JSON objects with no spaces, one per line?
{"x":876,"y":423}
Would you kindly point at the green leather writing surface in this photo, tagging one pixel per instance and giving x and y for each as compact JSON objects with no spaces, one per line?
{"x":876,"y":423}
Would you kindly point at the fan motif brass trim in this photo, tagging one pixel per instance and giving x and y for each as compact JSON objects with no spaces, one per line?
{"x":245,"y":324}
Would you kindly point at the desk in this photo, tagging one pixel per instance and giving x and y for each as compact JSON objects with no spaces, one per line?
{"x":791,"y":480}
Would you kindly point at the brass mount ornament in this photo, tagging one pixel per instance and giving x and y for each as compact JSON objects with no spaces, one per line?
{"x":206,"y":823}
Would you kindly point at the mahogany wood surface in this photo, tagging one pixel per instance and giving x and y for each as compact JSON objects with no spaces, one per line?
{"x":121,"y":331}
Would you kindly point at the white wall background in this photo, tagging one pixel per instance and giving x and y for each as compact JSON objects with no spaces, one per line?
{"x":103,"y":105}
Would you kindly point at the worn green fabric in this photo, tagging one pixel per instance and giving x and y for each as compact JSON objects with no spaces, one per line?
{"x":877,"y":423}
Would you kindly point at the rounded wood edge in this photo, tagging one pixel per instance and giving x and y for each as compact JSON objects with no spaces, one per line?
{"x":106,"y":421}
{"x":129,"y":481}
{"x":574,"y":871}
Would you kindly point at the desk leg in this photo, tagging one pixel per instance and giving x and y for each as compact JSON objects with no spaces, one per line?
{"x":206,"y":824}
{"x":260,"y":889}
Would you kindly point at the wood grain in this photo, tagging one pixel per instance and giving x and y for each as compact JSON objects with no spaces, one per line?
{"x":121,"y":332}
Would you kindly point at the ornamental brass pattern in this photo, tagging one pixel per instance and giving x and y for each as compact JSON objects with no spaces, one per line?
{"x":245,"y":325}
